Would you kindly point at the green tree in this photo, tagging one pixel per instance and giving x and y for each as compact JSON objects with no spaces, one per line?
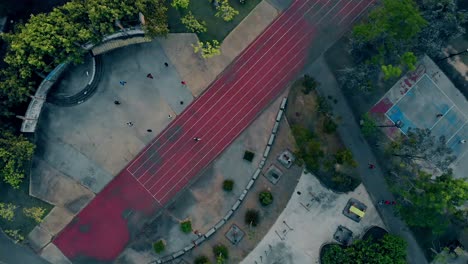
{"x":389,"y":32}
{"x":36,"y":213}
{"x":7,"y":211}
{"x":309,"y":148}
{"x":155,"y":12}
{"x":207,"y":49}
{"x":15,"y":153}
{"x":201,"y":260}
{"x":389,"y":250}
{"x":180,"y":4}
{"x":368,"y":125}
{"x":226,"y":11}
{"x":265,"y":198}
{"x":345,"y":156}
{"x":192,"y":24}
{"x":221,"y":250}
{"x":420,"y":145}
{"x":445,"y":22}
{"x":159,"y":246}
{"x":430,"y":202}
{"x":391,"y":71}
{"x":186,"y":226}
{"x":409,"y":60}
{"x":15,"y":235}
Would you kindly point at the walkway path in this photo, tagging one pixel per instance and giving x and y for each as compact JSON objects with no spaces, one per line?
{"x":218,"y":116}
{"x":373,"y":180}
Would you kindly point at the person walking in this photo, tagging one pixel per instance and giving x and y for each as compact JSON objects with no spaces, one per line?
{"x":117,"y":102}
{"x":123,"y":83}
{"x":439,"y":115}
{"x":371,"y":166}
{"x":130,"y":124}
{"x":150,"y":76}
{"x":183,"y":83}
{"x":166,"y":64}
{"x":463,"y":141}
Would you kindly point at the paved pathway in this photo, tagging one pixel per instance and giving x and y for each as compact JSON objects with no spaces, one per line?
{"x":373,"y":180}
{"x":13,"y":253}
{"x":218,"y":116}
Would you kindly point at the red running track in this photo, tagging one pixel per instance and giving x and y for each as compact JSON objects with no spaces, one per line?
{"x":228,"y":106}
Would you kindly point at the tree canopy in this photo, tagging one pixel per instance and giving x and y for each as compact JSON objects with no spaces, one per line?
{"x":389,"y":250}
{"x":432,"y":202}
{"x":15,"y":153}
{"x":47,"y":40}
{"x":420,"y":144}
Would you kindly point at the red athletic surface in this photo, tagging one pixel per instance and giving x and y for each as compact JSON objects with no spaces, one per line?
{"x":228,"y":106}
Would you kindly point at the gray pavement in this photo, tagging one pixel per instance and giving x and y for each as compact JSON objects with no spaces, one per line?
{"x":11,"y":253}
{"x":204,"y":202}
{"x":74,"y":79}
{"x":373,"y":180}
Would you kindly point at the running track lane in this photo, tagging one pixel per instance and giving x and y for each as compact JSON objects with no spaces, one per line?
{"x":229,"y":105}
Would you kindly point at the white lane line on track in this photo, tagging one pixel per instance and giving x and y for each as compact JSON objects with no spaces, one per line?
{"x":222,"y":140}
{"x":292,"y":69}
{"x":252,"y":45}
{"x":270,"y":69}
{"x":238,"y":91}
{"x":359,"y":14}
{"x":233,"y":98}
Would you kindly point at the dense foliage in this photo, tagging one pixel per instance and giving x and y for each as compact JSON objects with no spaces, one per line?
{"x":389,"y":250}
{"x":15,"y":153}
{"x":433,"y":202}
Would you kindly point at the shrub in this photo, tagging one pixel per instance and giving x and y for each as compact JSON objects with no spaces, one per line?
{"x":7,"y":211}
{"x":159,"y":246}
{"x":329,"y":126}
{"x":228,"y":185}
{"x":309,"y":84}
{"x":249,"y":155}
{"x":345,"y":156}
{"x":15,"y":235}
{"x":207,"y":49}
{"x":201,"y":260}
{"x":192,"y":24}
{"x":186,"y":226}
{"x":35,"y":213}
{"x":221,"y":250}
{"x":344,"y":183}
{"x":322,"y":105}
{"x":265,"y":198}
{"x":252,"y":217}
{"x":180,"y":4}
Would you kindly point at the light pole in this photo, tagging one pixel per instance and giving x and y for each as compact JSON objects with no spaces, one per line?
{"x":455,"y":54}
{"x":397,"y":124}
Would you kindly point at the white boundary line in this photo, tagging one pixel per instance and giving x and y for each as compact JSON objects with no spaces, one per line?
{"x":232,"y":138}
{"x":442,"y":117}
{"x":458,"y":130}
{"x":463,"y":114}
{"x":237,"y":91}
{"x":221,"y":76}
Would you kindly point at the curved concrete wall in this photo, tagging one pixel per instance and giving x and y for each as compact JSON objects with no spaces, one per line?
{"x":110,"y":42}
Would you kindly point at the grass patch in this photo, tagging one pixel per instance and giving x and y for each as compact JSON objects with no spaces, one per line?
{"x":21,"y":198}
{"x":186,"y":226}
{"x":159,"y":246}
{"x":204,"y":10}
{"x":248,"y":155}
{"x":228,"y":185}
